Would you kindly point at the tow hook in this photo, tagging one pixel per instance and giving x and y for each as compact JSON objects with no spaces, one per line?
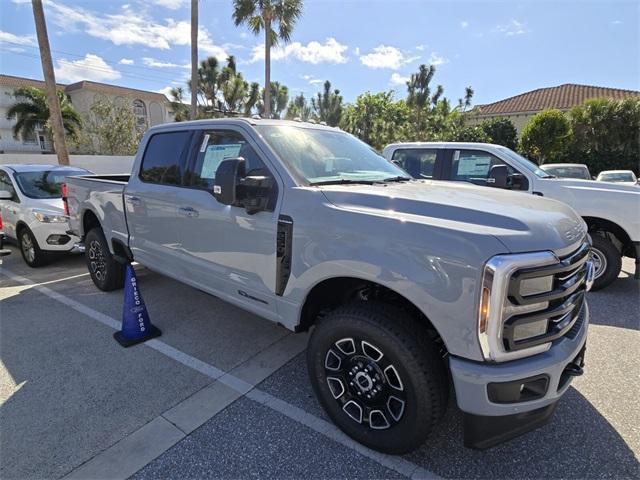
{"x":574,"y":370}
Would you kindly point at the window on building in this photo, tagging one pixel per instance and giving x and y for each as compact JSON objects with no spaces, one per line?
{"x":140,"y":111}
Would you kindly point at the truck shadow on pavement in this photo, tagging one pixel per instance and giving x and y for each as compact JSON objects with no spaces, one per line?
{"x":578,"y":443}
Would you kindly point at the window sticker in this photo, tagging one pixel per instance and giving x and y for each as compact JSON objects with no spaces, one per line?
{"x":214,"y":156}
{"x":474,"y":166}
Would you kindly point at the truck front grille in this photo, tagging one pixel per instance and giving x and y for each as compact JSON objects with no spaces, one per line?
{"x":560,"y":305}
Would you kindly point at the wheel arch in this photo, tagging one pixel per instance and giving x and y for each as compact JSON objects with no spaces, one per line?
{"x":330,"y":293}
{"x":597,"y":224}
{"x":89,"y":220}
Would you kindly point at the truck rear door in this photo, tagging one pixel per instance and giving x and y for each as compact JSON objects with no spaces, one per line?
{"x":229,"y":252}
{"x":150,"y":199}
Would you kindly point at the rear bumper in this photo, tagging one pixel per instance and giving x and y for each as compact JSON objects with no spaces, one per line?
{"x":557,"y":366}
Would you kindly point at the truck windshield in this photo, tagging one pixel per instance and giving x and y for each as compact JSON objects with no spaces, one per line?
{"x":44,"y":184}
{"x":525,"y":163}
{"x":329,"y":157}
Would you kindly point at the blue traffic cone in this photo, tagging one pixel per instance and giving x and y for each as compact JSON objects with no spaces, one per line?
{"x":136,"y":326}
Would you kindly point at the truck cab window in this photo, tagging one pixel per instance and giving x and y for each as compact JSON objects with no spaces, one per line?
{"x":474,"y":165}
{"x":216,"y":147}
{"x":419,"y":163}
{"x":164,"y":158}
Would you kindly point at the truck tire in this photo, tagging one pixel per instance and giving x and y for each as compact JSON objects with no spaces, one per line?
{"x":31,"y":252}
{"x":106,"y":273}
{"x":378,"y":376}
{"x":607,"y":261}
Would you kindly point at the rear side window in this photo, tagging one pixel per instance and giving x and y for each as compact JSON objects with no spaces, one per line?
{"x":164,"y":158}
{"x":419,"y":163}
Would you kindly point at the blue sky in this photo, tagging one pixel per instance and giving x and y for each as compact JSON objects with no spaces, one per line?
{"x":500,"y":48}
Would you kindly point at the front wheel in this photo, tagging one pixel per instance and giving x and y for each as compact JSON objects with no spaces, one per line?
{"x":106,"y":273}
{"x":607,"y":261}
{"x":378,"y":376}
{"x":31,"y":252}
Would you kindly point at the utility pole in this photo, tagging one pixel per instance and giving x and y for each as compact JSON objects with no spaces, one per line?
{"x":194,"y":59}
{"x":55,"y":115}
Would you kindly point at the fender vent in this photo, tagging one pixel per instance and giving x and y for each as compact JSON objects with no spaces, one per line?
{"x":283,"y":252}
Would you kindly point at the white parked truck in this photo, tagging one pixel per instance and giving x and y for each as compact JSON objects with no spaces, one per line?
{"x":611,"y":211}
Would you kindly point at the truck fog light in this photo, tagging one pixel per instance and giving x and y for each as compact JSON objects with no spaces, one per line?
{"x":530,"y":330}
{"x":536,"y":285}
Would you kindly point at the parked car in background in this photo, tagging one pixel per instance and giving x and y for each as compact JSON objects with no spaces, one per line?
{"x":33,"y":212}
{"x":567,"y":170}
{"x":610,"y":211}
{"x":626,"y":177}
{"x":409,"y":287}
{"x":3,"y":251}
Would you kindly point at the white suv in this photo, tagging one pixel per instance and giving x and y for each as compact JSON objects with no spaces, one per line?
{"x":33,"y":212}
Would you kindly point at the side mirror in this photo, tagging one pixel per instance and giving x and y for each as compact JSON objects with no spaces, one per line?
{"x":5,"y":195}
{"x":228,"y":175}
{"x":498,"y":176}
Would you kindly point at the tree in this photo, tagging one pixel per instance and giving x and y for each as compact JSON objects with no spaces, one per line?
{"x":31,"y":111}
{"x":546,"y":136}
{"x":263,"y":16}
{"x":328,"y":105}
{"x":468,"y":133}
{"x":606,"y":134}
{"x":377,"y":119}
{"x":208,"y":78}
{"x":299,"y":108}
{"x":180,"y":109}
{"x":111,"y":129}
{"x":501,"y":131}
{"x":54,"y":118}
{"x":194,"y":59}
{"x":252,"y":98}
{"x":279,"y":98}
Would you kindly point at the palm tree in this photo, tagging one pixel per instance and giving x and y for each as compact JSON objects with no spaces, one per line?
{"x":32,"y":112}
{"x":252,"y":98}
{"x":328,"y":105}
{"x":279,"y":97}
{"x":55,"y":119}
{"x":262,"y":16}
{"x":208,"y":78}
{"x":180,"y":110}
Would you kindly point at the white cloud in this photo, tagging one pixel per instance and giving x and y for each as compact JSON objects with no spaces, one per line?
{"x":25,"y":40}
{"x":171,"y":4}
{"x":464,"y":24}
{"x":316,"y":81}
{"x":331,"y":51}
{"x":91,"y":67}
{"x":126,"y":61}
{"x":397,"y":79}
{"x":132,"y":28}
{"x":356,"y":50}
{"x":435,"y":59}
{"x":384,"y":56}
{"x":513,"y":27}
{"x":152,"y":62}
{"x":421,"y":47}
{"x":616,"y":22}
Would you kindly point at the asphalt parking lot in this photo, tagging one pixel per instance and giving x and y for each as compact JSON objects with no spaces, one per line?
{"x":225,"y":394}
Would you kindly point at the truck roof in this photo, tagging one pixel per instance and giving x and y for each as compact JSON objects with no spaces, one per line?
{"x":37,"y":167}
{"x":241,"y":121}
{"x":440,"y":145}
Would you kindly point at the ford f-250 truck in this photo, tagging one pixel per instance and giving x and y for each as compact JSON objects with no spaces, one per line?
{"x":409,"y":287}
{"x":611,"y":211}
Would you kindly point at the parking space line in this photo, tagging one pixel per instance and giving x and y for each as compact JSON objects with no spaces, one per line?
{"x":135,"y":456}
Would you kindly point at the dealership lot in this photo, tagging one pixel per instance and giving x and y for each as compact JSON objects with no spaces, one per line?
{"x":74,"y":403}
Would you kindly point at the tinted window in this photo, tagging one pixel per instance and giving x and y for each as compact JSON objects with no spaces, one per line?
{"x":163,"y":160}
{"x":216,"y":147}
{"x":5,"y":184}
{"x":46,"y":184}
{"x":418,"y":162}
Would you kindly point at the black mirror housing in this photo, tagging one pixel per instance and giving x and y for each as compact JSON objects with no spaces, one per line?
{"x":228,"y":176}
{"x":498,"y":176}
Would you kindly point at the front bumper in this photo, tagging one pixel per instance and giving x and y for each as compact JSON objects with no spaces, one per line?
{"x":471,"y":381}
{"x":53,"y":237}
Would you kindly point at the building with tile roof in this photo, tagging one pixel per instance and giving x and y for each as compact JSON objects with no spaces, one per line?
{"x":520,"y":108}
{"x":151,"y":108}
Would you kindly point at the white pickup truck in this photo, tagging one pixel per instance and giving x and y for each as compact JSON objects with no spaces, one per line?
{"x":611,"y":211}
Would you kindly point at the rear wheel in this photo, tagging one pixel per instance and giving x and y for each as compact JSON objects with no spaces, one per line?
{"x":31,"y":252}
{"x":378,"y":376}
{"x":106,"y":273}
{"x":607,"y":261}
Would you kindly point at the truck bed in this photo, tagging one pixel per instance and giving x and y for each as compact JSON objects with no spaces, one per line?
{"x":102,"y":195}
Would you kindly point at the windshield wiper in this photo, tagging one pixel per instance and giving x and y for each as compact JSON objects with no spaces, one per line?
{"x":344,"y":181}
{"x":397,"y":179}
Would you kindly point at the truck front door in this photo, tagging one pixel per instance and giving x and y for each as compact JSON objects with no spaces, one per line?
{"x":473,"y":166}
{"x":228,"y":251}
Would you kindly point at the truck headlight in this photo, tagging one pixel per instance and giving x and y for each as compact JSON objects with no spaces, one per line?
{"x":494,"y":305}
{"x":49,"y":217}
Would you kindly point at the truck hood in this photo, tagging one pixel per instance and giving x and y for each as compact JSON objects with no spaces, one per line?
{"x":521,"y":222}
{"x":592,"y":185}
